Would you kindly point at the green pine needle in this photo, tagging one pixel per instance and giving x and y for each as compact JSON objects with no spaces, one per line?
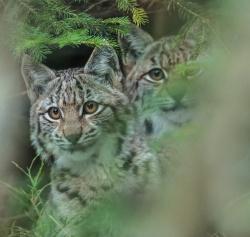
{"x":39,"y":27}
{"x":139,"y":16}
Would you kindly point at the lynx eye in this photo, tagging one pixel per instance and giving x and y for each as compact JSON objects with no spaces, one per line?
{"x":90,"y":107}
{"x":54,"y":113}
{"x":156,"y":74}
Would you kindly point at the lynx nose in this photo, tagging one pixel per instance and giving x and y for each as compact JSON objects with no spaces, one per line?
{"x":177,"y":90}
{"x":73,"y":138}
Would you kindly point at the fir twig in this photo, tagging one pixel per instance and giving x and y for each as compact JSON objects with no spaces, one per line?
{"x":28,"y":22}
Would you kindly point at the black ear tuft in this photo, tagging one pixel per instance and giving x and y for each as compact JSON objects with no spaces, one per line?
{"x":104,"y":63}
{"x":36,"y":77}
{"x":133,"y":45}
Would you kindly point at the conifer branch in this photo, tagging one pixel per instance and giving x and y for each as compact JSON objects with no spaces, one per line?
{"x":28,"y":21}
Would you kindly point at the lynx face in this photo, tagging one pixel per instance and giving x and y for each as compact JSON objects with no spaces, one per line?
{"x":72,"y":108}
{"x":147,"y":65}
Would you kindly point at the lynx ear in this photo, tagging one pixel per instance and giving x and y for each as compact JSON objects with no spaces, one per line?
{"x":36,"y":77}
{"x":133,"y":45}
{"x":104,"y":63}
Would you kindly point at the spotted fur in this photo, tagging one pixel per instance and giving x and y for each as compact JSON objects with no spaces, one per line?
{"x":107,"y":154}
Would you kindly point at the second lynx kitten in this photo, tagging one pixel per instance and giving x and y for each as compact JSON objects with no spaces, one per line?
{"x":146,"y":65}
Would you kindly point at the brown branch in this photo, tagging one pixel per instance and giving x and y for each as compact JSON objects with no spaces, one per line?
{"x":95,"y":5}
